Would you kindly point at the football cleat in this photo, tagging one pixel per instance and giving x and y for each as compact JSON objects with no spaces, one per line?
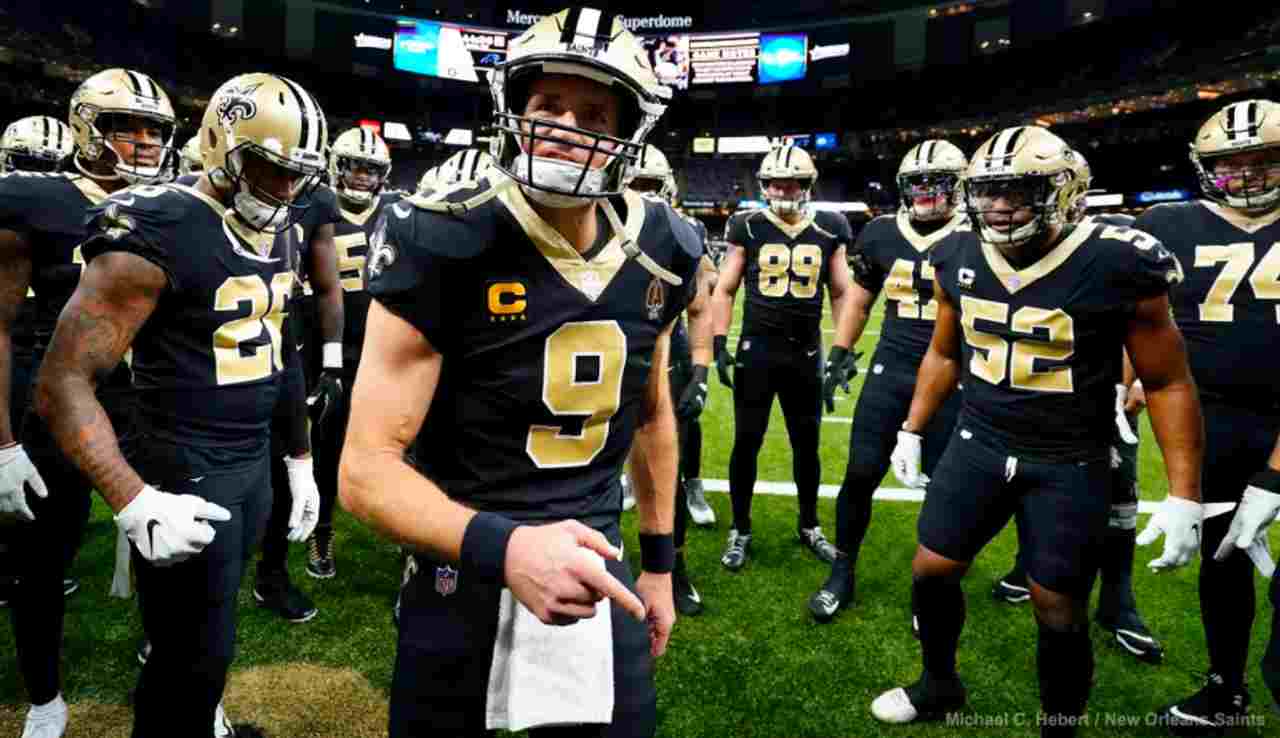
{"x":1131,"y":634}
{"x":915,"y":626}
{"x":836,"y":594}
{"x":69,"y":586}
{"x":144,"y":651}
{"x":816,"y":542}
{"x":926,"y":699}
{"x":276,"y":593}
{"x":46,"y":721}
{"x":687,"y":599}
{"x":735,"y":553}
{"x":1208,"y":711}
{"x":628,"y":497}
{"x":1012,"y":588}
{"x":699,"y":511}
{"x":320,"y":564}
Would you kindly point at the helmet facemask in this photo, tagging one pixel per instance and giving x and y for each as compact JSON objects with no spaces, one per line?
{"x":258,"y":208}
{"x":346,"y":172}
{"x":943,"y":188}
{"x":1040,"y":194}
{"x":102,"y":147}
{"x":788,"y":206}
{"x":23,"y":159}
{"x":1250,"y":187}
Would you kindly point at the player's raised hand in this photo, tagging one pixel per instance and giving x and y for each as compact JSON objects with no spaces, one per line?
{"x":557,"y":571}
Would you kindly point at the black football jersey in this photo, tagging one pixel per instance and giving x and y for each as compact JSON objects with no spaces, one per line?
{"x":206,"y":363}
{"x":351,"y":234}
{"x":49,"y":211}
{"x":324,"y":209}
{"x":680,"y":350}
{"x":1042,"y":345}
{"x":891,"y":255}
{"x":547,"y":352}
{"x":786,"y":267}
{"x":1228,"y":308}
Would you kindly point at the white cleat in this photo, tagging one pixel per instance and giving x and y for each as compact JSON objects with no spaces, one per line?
{"x":894,"y":706}
{"x":46,"y":721}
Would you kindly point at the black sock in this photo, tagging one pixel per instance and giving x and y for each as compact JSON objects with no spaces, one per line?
{"x":1227,"y":603}
{"x":1117,"y":571}
{"x":939,"y":603}
{"x":853,"y":511}
{"x":1064,"y":662}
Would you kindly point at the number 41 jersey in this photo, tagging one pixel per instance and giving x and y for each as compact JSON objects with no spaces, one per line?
{"x":786,"y":266}
{"x":547,"y":352}
{"x":1041,"y":346}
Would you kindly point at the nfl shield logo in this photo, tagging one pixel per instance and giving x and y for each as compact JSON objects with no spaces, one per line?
{"x":446,"y":580}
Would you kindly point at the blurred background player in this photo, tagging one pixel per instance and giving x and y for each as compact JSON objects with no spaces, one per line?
{"x":189,"y":157}
{"x":784,"y":254}
{"x":892,"y":255}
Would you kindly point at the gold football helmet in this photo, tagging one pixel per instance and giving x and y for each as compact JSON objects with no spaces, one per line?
{"x":931,"y":170}
{"x":787,"y":162}
{"x":1084,"y":174}
{"x":430,"y":180}
{"x":581,"y":42}
{"x":189,"y":157}
{"x":276,"y":120}
{"x":95,"y":106}
{"x":653,"y":174}
{"x":1252,"y":125}
{"x":1023,"y":167}
{"x":358,"y":147}
{"x":35,"y":144}
{"x":464,"y":168}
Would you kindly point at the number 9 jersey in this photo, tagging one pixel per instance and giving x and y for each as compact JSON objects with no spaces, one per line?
{"x":547,"y":352}
{"x":786,"y":266}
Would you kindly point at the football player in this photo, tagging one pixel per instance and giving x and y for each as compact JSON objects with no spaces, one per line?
{"x":892,"y":255}
{"x":464,"y":168}
{"x":1228,"y":311}
{"x":36,"y":144}
{"x":195,"y":280}
{"x":122,"y":124}
{"x":690,"y":360}
{"x":189,"y":157}
{"x":784,"y":254}
{"x":359,"y":169}
{"x":1117,"y":607}
{"x":525,"y":324}
{"x":1033,"y":315}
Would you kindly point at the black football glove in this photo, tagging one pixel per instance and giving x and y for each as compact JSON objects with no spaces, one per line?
{"x":724,"y":360}
{"x":323,"y":400}
{"x":694,"y":397}
{"x":841,"y":367}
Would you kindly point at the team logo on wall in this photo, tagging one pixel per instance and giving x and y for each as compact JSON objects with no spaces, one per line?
{"x":655,"y":298}
{"x":237,"y":103}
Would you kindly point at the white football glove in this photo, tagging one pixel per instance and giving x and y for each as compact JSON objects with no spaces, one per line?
{"x":305,"y":512}
{"x":17,"y":471}
{"x":1178,"y":520}
{"x":1256,"y":511}
{"x":1122,"y":421}
{"x":906,"y":461}
{"x":168,"y":528}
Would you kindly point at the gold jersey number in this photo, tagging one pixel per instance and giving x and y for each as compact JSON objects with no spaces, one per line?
{"x":581,"y":376}
{"x":266,"y":313}
{"x":793,"y":270}
{"x":1237,"y":259}
{"x":993,"y":355}
{"x":900,"y":286}
{"x":352,"y":251}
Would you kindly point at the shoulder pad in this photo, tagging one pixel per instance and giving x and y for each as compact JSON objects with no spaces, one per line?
{"x":460,"y":199}
{"x":683,"y":231}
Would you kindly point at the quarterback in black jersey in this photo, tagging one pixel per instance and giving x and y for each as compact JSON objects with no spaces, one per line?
{"x":122,"y":125}
{"x":195,"y":280}
{"x":1034,"y":313}
{"x":524,"y":324}
{"x":1227,"y":308}
{"x":1117,"y":606}
{"x":784,"y":254}
{"x":892,"y":255}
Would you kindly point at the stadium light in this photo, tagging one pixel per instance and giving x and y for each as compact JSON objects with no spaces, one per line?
{"x":216,"y":26}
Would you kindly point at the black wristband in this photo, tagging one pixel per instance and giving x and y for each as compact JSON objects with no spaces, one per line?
{"x":1268,"y":479}
{"x":720,"y":343}
{"x":484,"y":545}
{"x":657,"y":552}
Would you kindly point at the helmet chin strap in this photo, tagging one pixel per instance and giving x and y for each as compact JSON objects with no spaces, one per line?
{"x":632,"y":249}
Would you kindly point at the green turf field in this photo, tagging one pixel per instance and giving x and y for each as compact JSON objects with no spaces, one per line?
{"x":754,"y":665}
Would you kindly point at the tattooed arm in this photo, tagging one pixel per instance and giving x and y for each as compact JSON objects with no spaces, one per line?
{"x":15,"y":278}
{"x":117,"y":293}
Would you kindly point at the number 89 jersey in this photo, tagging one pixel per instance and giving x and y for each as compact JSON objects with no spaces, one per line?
{"x":207,"y":360}
{"x":546,"y":353}
{"x":1042,"y":345}
{"x":786,"y":266}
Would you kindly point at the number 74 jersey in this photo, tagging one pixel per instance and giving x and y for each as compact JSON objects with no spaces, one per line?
{"x":1228,"y":309}
{"x":1042,"y":345}
{"x":786,"y":266}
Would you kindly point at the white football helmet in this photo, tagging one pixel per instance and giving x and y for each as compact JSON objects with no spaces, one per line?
{"x":465,"y":167}
{"x":120,"y":92}
{"x":189,"y":157}
{"x":1252,"y":125}
{"x":581,"y":42}
{"x":357,"y":146}
{"x":653,"y":173}
{"x":787,"y":162}
{"x":35,"y":144}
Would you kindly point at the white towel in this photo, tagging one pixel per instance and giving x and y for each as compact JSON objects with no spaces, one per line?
{"x":120,"y":584}
{"x":545,"y":675}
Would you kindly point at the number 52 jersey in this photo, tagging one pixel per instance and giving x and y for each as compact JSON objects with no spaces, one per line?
{"x":546,"y":352}
{"x":1041,"y":345}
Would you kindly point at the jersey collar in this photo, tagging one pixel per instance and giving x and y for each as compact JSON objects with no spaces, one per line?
{"x":260,"y":243}
{"x":1240,"y":220}
{"x":790,"y":231}
{"x":363,"y":216}
{"x":923,"y":243}
{"x":1017,"y":279}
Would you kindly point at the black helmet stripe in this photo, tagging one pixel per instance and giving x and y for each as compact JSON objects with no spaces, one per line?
{"x":1233,"y":128}
{"x":44,"y":119}
{"x":134,"y":81}
{"x":929,"y":148}
{"x":306,"y":132}
{"x":1253,"y":118}
{"x":151,"y":84}
{"x":787,"y":163}
{"x":364,"y":141}
{"x":61,"y":133}
{"x":582,"y":26}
